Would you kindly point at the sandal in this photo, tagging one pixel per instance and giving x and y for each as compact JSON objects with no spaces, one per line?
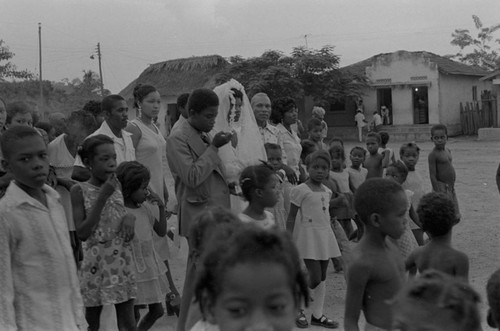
{"x":301,"y":320}
{"x":324,"y":322}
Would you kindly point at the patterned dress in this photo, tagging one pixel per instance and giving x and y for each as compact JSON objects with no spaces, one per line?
{"x":107,"y":273}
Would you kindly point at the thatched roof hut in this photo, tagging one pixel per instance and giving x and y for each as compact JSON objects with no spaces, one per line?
{"x":178,"y":76}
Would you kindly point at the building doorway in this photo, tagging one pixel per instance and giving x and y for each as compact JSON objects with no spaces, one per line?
{"x":384,"y":105}
{"x":420,"y":105}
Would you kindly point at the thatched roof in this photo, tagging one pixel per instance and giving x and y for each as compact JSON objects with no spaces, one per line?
{"x":445,"y":65}
{"x":178,"y":76}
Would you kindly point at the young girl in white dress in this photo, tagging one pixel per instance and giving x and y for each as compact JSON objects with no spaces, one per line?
{"x":259,"y":185}
{"x":152,"y":284}
{"x":309,"y":220}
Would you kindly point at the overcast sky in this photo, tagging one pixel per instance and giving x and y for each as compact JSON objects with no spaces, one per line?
{"x":135,"y":33}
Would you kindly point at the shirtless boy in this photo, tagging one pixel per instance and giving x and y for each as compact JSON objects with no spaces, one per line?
{"x":436,"y":212}
{"x":441,"y":169}
{"x":376,"y":271}
{"x":375,"y":162}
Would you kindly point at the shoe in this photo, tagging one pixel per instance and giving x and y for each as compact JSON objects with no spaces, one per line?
{"x":173,"y":303}
{"x":301,"y":320}
{"x":324,"y":322}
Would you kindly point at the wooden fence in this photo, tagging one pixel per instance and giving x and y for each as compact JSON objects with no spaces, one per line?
{"x":478,"y":114}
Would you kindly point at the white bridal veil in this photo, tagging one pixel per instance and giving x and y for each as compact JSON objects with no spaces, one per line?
{"x":250,"y":149}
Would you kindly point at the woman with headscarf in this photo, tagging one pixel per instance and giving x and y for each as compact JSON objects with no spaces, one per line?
{"x":246,"y":148}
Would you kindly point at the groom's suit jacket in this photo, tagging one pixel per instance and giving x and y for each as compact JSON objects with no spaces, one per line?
{"x":198,"y":173}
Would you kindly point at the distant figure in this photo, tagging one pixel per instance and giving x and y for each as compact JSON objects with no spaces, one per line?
{"x":384,"y":113}
{"x":441,"y":170}
{"x":375,"y":162}
{"x":377,"y":121}
{"x":58,"y":121}
{"x":319,"y":113}
{"x":360,"y":123}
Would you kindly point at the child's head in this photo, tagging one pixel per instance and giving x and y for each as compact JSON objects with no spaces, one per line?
{"x":439,"y":135}
{"x":436,"y":212}
{"x":213,"y":224}
{"x":99,"y":156}
{"x":25,"y":156}
{"x":274,"y":155}
{"x":19,"y":113}
{"x":308,"y":147}
{"x":48,"y":128}
{"x":182,"y":101}
{"x":259,"y":184}
{"x":79,"y":125}
{"x":318,"y":112}
{"x":384,"y":138}
{"x":134,"y":178}
{"x":337,"y":156}
{"x":318,"y":166}
{"x":436,"y":301}
{"x":373,"y":142}
{"x":252,"y":281}
{"x":357,"y":156}
{"x":94,"y":108}
{"x":203,"y":105}
{"x":381,"y":204}
{"x":314,"y":128}
{"x":397,"y":171}
{"x":336,"y":141}
{"x":493,"y":294}
{"x":409,"y":153}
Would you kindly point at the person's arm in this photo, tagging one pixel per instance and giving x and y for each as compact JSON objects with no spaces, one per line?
{"x":386,"y":158}
{"x":80,"y":174}
{"x":462,"y":267}
{"x":498,"y":178}
{"x":66,"y":183}
{"x":290,"y":222}
{"x":8,"y":316}
{"x":433,"y":172}
{"x":85,"y":224}
{"x":414,"y":216}
{"x":160,"y":225}
{"x":351,"y":184}
{"x":357,"y":277}
{"x":410,"y":264}
{"x":136,"y":133}
{"x":190,"y":171}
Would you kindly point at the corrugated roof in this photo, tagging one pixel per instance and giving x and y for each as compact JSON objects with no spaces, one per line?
{"x":445,"y":65}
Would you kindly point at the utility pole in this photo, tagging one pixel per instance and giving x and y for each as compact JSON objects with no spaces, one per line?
{"x":40,"y":64}
{"x":100,"y":68}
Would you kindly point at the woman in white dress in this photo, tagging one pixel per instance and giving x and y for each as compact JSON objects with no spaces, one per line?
{"x":246,"y":148}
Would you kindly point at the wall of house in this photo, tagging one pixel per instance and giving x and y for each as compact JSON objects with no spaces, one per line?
{"x":455,"y":89}
{"x":402,"y":72}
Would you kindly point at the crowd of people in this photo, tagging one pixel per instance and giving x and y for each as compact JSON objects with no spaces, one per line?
{"x":264,"y":202}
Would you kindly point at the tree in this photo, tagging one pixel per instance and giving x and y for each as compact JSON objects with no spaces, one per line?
{"x":306,"y":72}
{"x":478,"y":50}
{"x":9,"y":70}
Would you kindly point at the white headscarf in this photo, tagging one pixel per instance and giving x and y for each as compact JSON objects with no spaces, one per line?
{"x":250,"y":150}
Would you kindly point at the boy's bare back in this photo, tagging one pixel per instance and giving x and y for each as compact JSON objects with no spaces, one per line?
{"x":373,"y":164}
{"x":441,"y":257}
{"x":375,"y":276}
{"x":441,"y":169}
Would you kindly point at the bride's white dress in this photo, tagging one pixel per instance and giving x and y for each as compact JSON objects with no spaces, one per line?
{"x":249,"y":149}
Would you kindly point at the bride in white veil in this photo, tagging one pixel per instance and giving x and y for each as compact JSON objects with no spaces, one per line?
{"x":236,"y":115}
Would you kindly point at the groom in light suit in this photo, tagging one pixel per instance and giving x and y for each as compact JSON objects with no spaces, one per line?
{"x":198,"y":173}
